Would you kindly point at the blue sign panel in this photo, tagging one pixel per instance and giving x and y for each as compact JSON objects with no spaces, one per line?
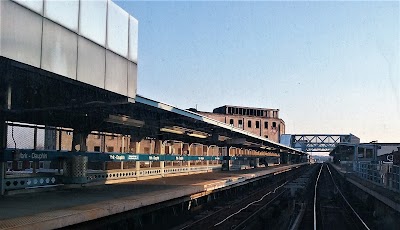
{"x":52,"y":155}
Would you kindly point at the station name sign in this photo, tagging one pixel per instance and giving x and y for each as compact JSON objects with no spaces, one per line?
{"x":117,"y":157}
{"x":32,"y":156}
{"x":54,"y":155}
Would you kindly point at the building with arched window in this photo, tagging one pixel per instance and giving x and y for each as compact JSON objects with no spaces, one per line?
{"x":260,"y":121}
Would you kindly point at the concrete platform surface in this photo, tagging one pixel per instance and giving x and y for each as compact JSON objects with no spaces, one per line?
{"x":55,"y":209}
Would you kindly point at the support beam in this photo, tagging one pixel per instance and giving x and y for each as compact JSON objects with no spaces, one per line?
{"x":160,"y":148}
{"x":35,"y":164}
{"x":5,"y":103}
{"x":137,"y":163}
{"x":3,"y":145}
{"x":79,"y":138}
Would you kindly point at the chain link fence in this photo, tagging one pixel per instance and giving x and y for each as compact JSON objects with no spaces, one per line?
{"x":27,"y":136}
{"x":37,"y":137}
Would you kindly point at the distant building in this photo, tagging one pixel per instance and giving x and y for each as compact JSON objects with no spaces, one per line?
{"x":260,"y":121}
{"x":369,"y":152}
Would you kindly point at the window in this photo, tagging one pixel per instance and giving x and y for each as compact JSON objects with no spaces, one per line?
{"x":266,"y":125}
{"x":97,"y":148}
{"x":274,"y":124}
{"x":231,"y":122}
{"x":266,"y":136}
{"x":229,"y":110}
{"x":257,"y":124}
{"x":110,"y":148}
{"x":368,"y":153}
{"x":240,"y":123}
{"x":249,"y":124}
{"x":241,"y":111}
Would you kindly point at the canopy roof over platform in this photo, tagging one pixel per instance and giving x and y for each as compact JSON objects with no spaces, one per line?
{"x":60,"y":66}
{"x":36,"y":96}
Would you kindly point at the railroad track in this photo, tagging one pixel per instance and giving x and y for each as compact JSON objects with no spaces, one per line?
{"x":331,"y":209}
{"x":237,"y":214}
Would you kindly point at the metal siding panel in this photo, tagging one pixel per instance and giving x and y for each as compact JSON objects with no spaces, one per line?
{"x":132,"y":79}
{"x":20,"y":33}
{"x":133,"y":39}
{"x":117,"y":29}
{"x":91,"y":63}
{"x":116,"y":73}
{"x":64,"y":13}
{"x":59,"y":50}
{"x":92,"y":20}
{"x":36,"y":5}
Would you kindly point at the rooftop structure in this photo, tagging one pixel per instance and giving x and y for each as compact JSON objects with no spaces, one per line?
{"x":247,"y":111}
{"x":263,"y":122}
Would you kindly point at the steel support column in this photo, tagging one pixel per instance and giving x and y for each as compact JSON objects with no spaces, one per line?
{"x":228,"y":153}
{"x":5,"y":104}
{"x":137,"y":163}
{"x":160,"y":148}
{"x":3,"y":145}
{"x":79,"y":138}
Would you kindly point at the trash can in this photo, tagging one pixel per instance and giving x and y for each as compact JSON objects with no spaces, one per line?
{"x":75,"y":170}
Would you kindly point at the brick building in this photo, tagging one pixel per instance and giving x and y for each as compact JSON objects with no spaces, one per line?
{"x":260,"y":121}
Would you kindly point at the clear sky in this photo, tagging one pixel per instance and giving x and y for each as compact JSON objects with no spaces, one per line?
{"x":330,"y":67}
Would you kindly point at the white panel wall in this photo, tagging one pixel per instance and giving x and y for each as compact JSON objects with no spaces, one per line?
{"x":35,"y":5}
{"x":91,"y":63}
{"x":132,"y":79}
{"x":20,"y":33}
{"x":117,"y":29}
{"x":63,"y":12}
{"x":133,"y":39}
{"x":94,"y":42}
{"x":116,"y":73}
{"x":92,"y":20}
{"x":59,"y":49}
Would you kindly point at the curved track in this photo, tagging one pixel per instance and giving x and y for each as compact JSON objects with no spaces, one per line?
{"x":331,"y":208}
{"x":234,"y":215}
{"x":238,"y":213}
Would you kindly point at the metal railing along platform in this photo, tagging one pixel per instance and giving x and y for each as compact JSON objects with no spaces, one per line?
{"x":385,"y":175}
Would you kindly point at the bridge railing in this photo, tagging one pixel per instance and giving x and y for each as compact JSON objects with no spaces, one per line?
{"x":385,"y":175}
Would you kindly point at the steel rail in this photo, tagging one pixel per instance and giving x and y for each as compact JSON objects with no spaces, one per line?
{"x":248,"y":205}
{"x":239,"y":226}
{"x":352,"y":209}
{"x":223,"y":209}
{"x":315,"y":198}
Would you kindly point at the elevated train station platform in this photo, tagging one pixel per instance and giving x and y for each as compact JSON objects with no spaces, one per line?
{"x":87,"y":126}
{"x":56,"y":209}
